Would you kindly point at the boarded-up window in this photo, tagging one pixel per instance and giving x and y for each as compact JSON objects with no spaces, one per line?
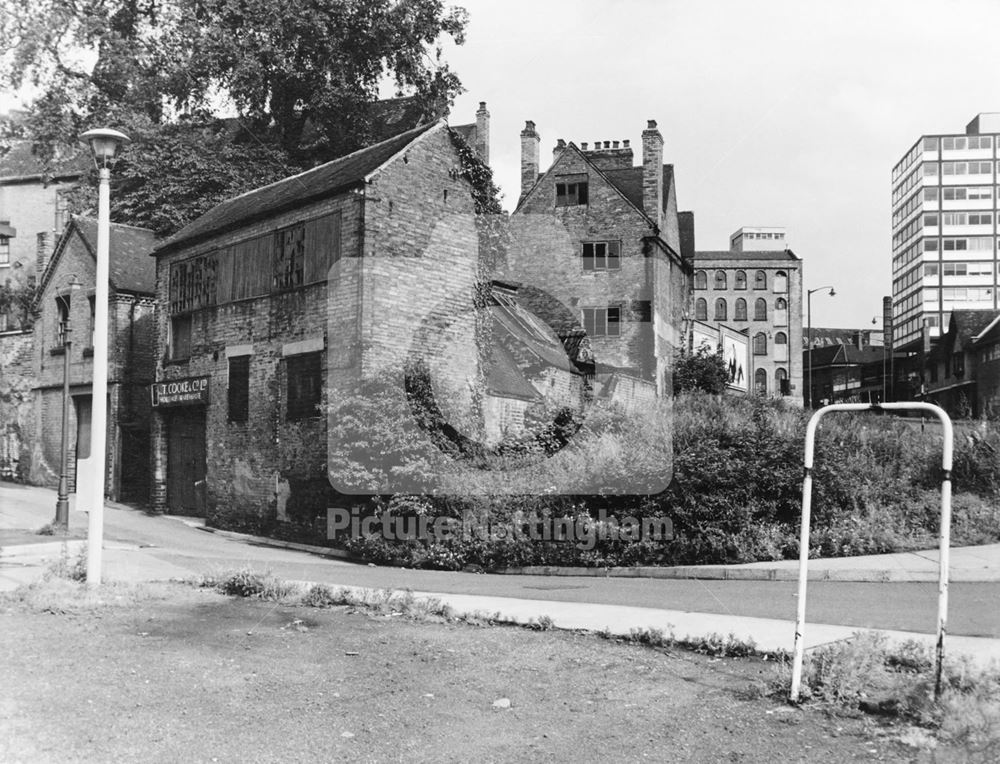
{"x":252,"y":267}
{"x":289,"y":257}
{"x":239,"y":388}
{"x":305,"y":388}
{"x":193,"y":284}
{"x":322,"y":247}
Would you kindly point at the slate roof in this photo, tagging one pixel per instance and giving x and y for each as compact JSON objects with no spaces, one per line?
{"x":19,"y":164}
{"x":969,"y":323}
{"x":829,"y":355}
{"x":991,"y":333}
{"x":130,"y":268}
{"x":320,"y":182}
{"x":726,"y":254}
{"x":628,"y":181}
{"x":505,"y":380}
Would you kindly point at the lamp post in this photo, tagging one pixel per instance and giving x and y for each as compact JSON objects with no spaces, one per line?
{"x":809,"y":319}
{"x":104,"y":144}
{"x":62,"y":499}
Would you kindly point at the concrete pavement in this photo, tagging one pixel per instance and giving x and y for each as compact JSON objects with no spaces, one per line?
{"x":134,"y":551}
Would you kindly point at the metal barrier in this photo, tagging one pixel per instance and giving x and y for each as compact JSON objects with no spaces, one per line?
{"x":945,"y":541}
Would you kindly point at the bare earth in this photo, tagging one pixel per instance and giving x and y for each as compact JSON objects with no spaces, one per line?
{"x":186,"y":675}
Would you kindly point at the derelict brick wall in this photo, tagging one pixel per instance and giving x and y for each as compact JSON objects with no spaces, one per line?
{"x":419,"y":275}
{"x":251,"y":465}
{"x":17,"y":378}
{"x":547,"y":253}
{"x":420,"y":263}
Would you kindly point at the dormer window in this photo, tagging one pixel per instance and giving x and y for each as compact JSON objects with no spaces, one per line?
{"x":571,"y":191}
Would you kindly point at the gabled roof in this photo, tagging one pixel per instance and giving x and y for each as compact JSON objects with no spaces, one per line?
{"x":966,"y":324}
{"x":626,"y":181}
{"x":991,"y":333}
{"x":320,"y":182}
{"x":130,"y":268}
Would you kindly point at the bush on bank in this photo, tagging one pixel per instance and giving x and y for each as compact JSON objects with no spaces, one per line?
{"x":735,"y":494}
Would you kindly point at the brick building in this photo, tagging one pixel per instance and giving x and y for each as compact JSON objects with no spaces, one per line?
{"x":599,"y":240}
{"x":301,"y":290}
{"x":131,"y":357}
{"x":987,"y":344}
{"x":33,"y":210}
{"x":960,"y":369}
{"x":759,"y":293}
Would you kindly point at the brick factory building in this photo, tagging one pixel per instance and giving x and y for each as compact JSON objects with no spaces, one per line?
{"x":755,"y":287}
{"x":299,"y":290}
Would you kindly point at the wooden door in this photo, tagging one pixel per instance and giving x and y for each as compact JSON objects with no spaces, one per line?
{"x":186,"y":464}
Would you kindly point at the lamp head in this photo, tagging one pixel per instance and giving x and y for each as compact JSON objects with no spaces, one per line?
{"x":832,"y":292}
{"x":104,"y":145}
{"x":74,"y":283}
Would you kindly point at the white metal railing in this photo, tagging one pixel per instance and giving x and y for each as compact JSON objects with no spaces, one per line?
{"x":945,"y":535}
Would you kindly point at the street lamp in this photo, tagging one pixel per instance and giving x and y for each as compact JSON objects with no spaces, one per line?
{"x":62,"y":499}
{"x":809,"y":318}
{"x":104,"y":144}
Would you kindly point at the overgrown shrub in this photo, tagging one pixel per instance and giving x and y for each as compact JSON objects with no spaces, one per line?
{"x":735,"y":495}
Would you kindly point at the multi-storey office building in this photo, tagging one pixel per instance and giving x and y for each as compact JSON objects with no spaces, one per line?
{"x":944,"y":230}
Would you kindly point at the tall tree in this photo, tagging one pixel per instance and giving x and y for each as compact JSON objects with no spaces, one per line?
{"x":313,"y":67}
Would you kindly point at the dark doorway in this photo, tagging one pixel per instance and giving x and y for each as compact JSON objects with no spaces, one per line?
{"x":186,"y":463}
{"x":134,"y":464}
{"x":84,"y":416}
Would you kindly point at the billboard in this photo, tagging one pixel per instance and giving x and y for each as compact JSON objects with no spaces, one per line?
{"x":736,"y":355}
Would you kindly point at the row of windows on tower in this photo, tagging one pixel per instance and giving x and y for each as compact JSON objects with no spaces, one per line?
{"x":720,"y":280}
{"x":740,"y":310}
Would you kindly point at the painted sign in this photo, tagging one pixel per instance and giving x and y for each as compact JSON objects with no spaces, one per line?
{"x":704,"y":336}
{"x":180,"y":392}
{"x":736,"y":355}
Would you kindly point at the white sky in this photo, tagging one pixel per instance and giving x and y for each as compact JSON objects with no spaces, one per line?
{"x":773,"y":113}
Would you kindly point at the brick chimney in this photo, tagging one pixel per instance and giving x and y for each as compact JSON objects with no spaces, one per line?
{"x":483,"y":133}
{"x":529,"y":157}
{"x":43,"y":251}
{"x":652,"y":172}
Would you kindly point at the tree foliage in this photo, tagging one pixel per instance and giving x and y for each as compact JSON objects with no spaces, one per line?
{"x":301,"y":77}
{"x":702,"y":369}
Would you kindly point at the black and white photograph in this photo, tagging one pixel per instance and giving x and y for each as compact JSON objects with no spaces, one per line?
{"x":465,"y":380}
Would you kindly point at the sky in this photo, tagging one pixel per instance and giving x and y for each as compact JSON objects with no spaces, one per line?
{"x":773,"y":113}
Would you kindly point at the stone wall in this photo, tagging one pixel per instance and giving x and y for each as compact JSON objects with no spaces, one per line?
{"x":16,"y":404}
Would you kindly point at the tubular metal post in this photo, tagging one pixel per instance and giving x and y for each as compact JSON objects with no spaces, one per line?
{"x":945,"y":540}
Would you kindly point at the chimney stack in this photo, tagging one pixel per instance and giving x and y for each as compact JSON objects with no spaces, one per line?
{"x":483,"y":133}
{"x":652,"y":172}
{"x":560,"y":147}
{"x":529,"y":157}
{"x":43,"y":251}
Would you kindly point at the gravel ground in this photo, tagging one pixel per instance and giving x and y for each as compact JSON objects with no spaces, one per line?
{"x":170,"y":673}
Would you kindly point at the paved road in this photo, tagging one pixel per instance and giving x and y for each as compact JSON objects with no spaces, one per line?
{"x":186,"y":550}
{"x":899,"y":606}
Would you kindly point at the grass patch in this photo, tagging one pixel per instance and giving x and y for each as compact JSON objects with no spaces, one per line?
{"x":62,"y":596}
{"x":868,"y":674}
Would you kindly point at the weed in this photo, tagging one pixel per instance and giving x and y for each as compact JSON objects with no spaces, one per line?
{"x":64,"y":567}
{"x":542,"y":623}
{"x":49,"y":529}
{"x":718,"y":646}
{"x":247,"y":582}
